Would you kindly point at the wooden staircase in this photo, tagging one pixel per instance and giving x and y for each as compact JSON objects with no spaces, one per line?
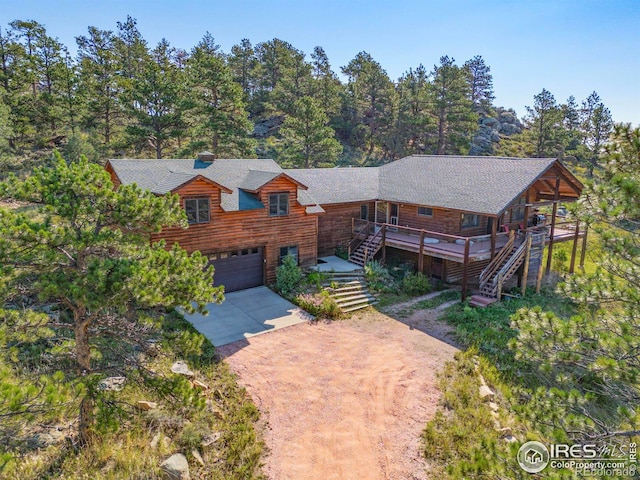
{"x":349,"y":290}
{"x":502,"y":268}
{"x":367,"y":249}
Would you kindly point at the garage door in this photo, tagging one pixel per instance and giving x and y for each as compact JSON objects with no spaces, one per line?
{"x":238,"y":269}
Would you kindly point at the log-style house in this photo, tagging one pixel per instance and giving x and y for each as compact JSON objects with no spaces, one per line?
{"x":456,"y":218}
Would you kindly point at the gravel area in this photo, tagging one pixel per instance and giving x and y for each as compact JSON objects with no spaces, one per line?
{"x":347,"y":399}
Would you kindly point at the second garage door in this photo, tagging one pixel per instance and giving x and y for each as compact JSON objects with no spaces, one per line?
{"x":238,"y":269}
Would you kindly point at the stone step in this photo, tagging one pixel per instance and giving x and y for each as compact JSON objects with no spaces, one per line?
{"x":360,"y":306}
{"x":481,"y":301}
{"x":343,"y":292}
{"x":355,"y":300}
{"x":341,"y":285}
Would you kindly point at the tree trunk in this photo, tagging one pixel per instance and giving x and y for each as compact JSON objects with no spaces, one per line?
{"x":83,"y":357}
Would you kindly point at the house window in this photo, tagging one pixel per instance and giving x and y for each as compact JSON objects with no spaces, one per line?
{"x":364,"y":212}
{"x":197,"y":210}
{"x":425,"y":211}
{"x":469,"y":221}
{"x":278,"y":204}
{"x":291,"y":250}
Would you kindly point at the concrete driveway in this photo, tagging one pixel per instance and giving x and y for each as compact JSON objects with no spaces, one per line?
{"x":246,"y":313}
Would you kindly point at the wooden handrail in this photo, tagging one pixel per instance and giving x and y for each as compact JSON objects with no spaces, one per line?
{"x":495,"y":264}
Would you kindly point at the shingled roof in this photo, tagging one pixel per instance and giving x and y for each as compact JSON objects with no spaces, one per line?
{"x":238,"y":178}
{"x":483,"y":185}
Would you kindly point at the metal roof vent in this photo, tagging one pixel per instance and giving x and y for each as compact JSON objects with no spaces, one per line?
{"x":206,"y":156}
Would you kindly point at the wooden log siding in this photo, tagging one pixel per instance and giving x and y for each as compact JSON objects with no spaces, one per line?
{"x":334,"y":226}
{"x":442,"y":220}
{"x":236,"y":230}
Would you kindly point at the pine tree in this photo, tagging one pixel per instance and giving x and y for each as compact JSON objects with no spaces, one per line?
{"x":415,"y":122}
{"x":325,"y":87}
{"x":480,"y":83}
{"x":596,"y":125}
{"x":452,"y":108}
{"x":155,"y":101}
{"x":593,"y":357}
{"x":370,"y":103}
{"x":308,"y":141}
{"x":242,"y":62}
{"x":220,"y":121}
{"x":544,"y":121}
{"x":100,"y":84}
{"x":85,"y":249}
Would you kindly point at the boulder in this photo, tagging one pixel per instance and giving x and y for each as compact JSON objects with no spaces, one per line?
{"x":112,"y":383}
{"x":176,"y":467}
{"x":486,"y":393}
{"x":146,"y":405}
{"x":181,"y":368}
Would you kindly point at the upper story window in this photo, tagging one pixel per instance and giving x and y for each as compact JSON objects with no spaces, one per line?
{"x":469,"y":220}
{"x":364,"y":211}
{"x":278,"y":204}
{"x":197,"y":210}
{"x":425,"y":211}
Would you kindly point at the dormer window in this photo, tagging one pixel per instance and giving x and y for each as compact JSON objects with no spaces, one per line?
{"x":197,"y":210}
{"x":278,"y":204}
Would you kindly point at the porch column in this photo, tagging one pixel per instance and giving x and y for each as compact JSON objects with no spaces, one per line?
{"x":465,"y":269}
{"x":575,"y":247}
{"x":556,"y":196}
{"x":494,"y":231}
{"x":421,"y":253}
{"x":584,"y":246}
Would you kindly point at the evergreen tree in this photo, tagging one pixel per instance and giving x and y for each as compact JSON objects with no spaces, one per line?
{"x":544,"y":121}
{"x":242,"y":62}
{"x":155,"y":101}
{"x":480,"y":83}
{"x":220,"y":121}
{"x":326,"y":86}
{"x":452,"y":108}
{"x":596,"y":124}
{"x":100,"y":84}
{"x":415,"y":121}
{"x":86,"y":250}
{"x":593,"y":356}
{"x":370,"y":103}
{"x":308,"y":141}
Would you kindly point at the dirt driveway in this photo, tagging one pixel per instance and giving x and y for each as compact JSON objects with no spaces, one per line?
{"x":345,"y":400}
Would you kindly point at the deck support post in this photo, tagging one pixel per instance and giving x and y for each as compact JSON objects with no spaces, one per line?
{"x":421,"y":253}
{"x":494,"y":231}
{"x":584,"y":247}
{"x":465,"y":269}
{"x":384,"y":240}
{"x":527,"y":260}
{"x":574,"y":249}
{"x":556,"y":196}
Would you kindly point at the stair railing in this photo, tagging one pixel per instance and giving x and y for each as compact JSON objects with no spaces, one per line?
{"x":495,"y":264}
{"x":371,"y":240}
{"x":360,"y":236}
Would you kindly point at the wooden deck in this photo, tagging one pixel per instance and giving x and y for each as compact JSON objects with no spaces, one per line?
{"x":478,"y":250}
{"x":452,"y":247}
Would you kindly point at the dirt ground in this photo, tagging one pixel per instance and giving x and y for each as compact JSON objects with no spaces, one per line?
{"x":347,"y":399}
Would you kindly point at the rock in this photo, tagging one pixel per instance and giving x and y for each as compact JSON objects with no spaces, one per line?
{"x":505,"y":432}
{"x":155,"y":440}
{"x":211,"y":439}
{"x":176,"y":467}
{"x":511,"y":439}
{"x":112,"y":383}
{"x":197,"y":456}
{"x":493,"y":406}
{"x":146,"y":405}
{"x":181,"y":368}
{"x":491,"y":123}
{"x":199,"y":384}
{"x":486,"y":393}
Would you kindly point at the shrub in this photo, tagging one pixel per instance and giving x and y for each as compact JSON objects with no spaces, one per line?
{"x":342,"y":252}
{"x":316,"y":279}
{"x":320,"y":304}
{"x":378,"y":277}
{"x":415,"y":284}
{"x":288,"y":276}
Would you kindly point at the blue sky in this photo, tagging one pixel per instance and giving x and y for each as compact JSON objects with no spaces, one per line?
{"x":569,"y":47}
